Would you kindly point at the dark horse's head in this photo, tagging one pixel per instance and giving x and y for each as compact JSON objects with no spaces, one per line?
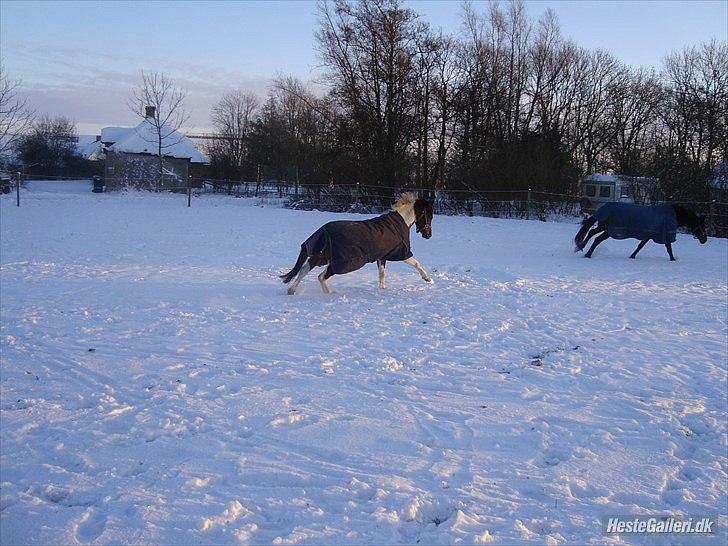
{"x":694,"y":222}
{"x":424,"y":212}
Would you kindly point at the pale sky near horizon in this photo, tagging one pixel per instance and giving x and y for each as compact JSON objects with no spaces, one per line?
{"x":82,"y":59}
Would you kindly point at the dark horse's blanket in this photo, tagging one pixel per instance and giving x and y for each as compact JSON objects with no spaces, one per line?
{"x":627,"y":221}
{"x":351,"y":244}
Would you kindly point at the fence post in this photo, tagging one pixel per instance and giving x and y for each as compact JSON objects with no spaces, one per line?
{"x":189,"y":191}
{"x":19,"y":177}
{"x":711,"y":218}
{"x":528,"y":205}
{"x":258,"y":178}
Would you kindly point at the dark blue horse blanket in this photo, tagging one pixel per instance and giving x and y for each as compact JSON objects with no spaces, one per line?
{"x":628,"y":221}
{"x":352,"y":244}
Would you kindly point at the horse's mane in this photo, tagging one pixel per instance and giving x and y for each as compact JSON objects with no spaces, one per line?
{"x":407,"y":198}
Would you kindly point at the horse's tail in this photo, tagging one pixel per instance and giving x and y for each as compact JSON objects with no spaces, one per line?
{"x":288,"y":277}
{"x":579,"y":239}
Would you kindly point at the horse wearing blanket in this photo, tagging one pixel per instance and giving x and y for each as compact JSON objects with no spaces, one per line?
{"x":643,"y":222}
{"x":347,"y":245}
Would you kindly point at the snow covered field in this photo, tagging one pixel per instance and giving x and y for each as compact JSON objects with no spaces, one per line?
{"x":159,"y":386}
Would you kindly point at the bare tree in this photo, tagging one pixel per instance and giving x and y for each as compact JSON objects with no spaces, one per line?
{"x":601,"y":80}
{"x":49,"y":147}
{"x":15,"y":116}
{"x":369,"y":49}
{"x":697,"y":80}
{"x":633,"y":116}
{"x":158,"y":91}
{"x":233,"y":117}
{"x":693,"y":118}
{"x":295,"y":134}
{"x":446,"y":86}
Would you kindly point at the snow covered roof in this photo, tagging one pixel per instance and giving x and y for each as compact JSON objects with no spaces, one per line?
{"x":601,"y":178}
{"x":142,"y":139}
{"x":109,"y":135}
{"x":90,"y":148}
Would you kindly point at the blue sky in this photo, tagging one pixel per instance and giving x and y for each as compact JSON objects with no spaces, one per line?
{"x":81,"y":59}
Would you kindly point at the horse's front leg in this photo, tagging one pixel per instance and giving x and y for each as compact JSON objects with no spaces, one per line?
{"x":380,"y":266}
{"x":325,"y":274}
{"x":603,"y":237}
{"x":421,"y":270}
{"x":668,"y":246}
{"x":305,"y":269}
{"x":592,"y":233}
{"x":639,"y":247}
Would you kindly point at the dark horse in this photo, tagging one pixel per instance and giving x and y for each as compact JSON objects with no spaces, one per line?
{"x":346,"y":245}
{"x":643,"y":222}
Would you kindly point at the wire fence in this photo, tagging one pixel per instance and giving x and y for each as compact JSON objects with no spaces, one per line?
{"x":521,"y":204}
{"x":359,"y":198}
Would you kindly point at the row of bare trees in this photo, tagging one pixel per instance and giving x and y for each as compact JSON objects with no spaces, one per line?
{"x":507,"y":104}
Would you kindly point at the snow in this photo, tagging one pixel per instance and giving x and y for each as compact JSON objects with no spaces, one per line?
{"x":109,"y":135}
{"x":90,"y":148}
{"x":159,"y":386}
{"x":598,"y":177}
{"x":143,"y":139}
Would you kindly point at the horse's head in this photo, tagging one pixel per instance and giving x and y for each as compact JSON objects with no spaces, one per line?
{"x":424,"y":211}
{"x":694,"y":222}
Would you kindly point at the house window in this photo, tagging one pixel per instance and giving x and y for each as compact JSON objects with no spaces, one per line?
{"x":605,"y":191}
{"x":591,"y":190}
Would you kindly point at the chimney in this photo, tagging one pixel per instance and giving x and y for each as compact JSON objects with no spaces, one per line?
{"x":150,"y":110}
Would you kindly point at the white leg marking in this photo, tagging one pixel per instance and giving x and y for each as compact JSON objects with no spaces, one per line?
{"x":380,"y":265}
{"x":322,"y":280}
{"x":301,"y":274}
{"x":414,"y":263}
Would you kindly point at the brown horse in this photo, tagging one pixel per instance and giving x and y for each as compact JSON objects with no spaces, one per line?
{"x":347,"y":245}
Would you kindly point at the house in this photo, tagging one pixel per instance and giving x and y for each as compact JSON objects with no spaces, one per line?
{"x":90,"y":148}
{"x":132,"y":156}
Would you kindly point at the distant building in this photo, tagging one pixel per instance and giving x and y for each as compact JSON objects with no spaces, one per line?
{"x":597,"y":189}
{"x":132,"y":156}
{"x":90,"y":148}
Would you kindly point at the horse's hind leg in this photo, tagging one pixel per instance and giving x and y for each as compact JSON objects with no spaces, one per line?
{"x":668,"y":246}
{"x":380,"y":266}
{"x":327,"y":273}
{"x":603,"y":237}
{"x":305,"y":268}
{"x":639,"y":247}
